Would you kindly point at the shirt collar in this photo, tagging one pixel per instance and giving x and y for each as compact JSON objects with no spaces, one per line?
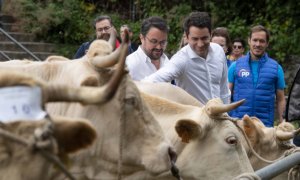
{"x":192,"y":54}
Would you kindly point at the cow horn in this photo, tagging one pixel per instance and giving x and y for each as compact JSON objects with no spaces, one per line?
{"x":285,"y":136}
{"x":111,"y":59}
{"x":214,"y":109}
{"x":89,"y":95}
{"x":112,"y":38}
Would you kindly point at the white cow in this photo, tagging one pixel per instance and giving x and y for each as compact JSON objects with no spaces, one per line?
{"x":22,"y":140}
{"x":270,"y":143}
{"x":168,"y":91}
{"x":145,"y":150}
{"x":208,"y":144}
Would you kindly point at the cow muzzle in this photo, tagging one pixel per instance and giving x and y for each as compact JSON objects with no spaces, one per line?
{"x":173,"y":158}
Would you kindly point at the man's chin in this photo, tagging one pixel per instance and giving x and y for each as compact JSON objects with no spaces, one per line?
{"x":104,"y":37}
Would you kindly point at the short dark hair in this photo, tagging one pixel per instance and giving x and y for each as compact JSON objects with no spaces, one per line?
{"x":223,"y":32}
{"x":126,"y":26}
{"x":260,"y":28}
{"x":198,"y":19}
{"x":156,"y":22}
{"x":240,"y":40}
{"x":101,"y":18}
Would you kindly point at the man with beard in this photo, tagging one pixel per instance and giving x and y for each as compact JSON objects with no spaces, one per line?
{"x":199,"y":67}
{"x":103,"y":26}
{"x":259,"y":79}
{"x":149,"y":57}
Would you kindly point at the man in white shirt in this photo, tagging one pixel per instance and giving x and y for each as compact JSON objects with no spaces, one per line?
{"x":149,"y":57}
{"x":200,"y":67}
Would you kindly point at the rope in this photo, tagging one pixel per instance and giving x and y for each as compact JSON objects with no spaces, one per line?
{"x":294,"y":173}
{"x":251,"y":148}
{"x":122,"y":127}
{"x":247,"y":176}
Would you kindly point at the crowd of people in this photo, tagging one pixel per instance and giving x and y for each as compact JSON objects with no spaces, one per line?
{"x":207,"y":64}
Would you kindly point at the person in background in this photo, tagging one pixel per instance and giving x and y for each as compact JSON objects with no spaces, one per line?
{"x":149,"y":57}
{"x":220,"y":36}
{"x":259,"y":79}
{"x":238,"y":48}
{"x":199,"y":67}
{"x":183,"y":41}
{"x":131,"y":45}
{"x":103,"y":27}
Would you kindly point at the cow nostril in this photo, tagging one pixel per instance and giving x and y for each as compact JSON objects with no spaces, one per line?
{"x":174,"y":169}
{"x":172,"y":155}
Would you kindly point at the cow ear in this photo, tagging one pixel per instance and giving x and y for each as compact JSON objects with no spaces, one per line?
{"x":73,"y":135}
{"x":187,"y":130}
{"x":252,"y":128}
{"x":90,"y":81}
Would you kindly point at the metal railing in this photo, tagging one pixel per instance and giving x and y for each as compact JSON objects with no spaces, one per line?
{"x":279,"y":167}
{"x":18,"y":44}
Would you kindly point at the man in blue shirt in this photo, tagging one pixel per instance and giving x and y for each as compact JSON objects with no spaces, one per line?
{"x":259,"y":79}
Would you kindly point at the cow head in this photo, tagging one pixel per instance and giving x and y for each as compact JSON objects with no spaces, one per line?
{"x":22,"y":162}
{"x":211,"y":143}
{"x":269,"y":142}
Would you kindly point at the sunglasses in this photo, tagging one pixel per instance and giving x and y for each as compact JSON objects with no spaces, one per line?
{"x":237,"y":47}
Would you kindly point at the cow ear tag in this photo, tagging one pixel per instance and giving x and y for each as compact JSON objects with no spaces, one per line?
{"x":21,"y":103}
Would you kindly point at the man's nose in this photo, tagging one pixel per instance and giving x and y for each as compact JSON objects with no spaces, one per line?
{"x":200,"y":43}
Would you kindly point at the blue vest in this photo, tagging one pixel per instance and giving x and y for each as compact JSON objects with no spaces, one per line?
{"x":260,"y":97}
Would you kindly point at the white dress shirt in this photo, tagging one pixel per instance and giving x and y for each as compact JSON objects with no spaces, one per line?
{"x":202,"y":78}
{"x":140,"y":66}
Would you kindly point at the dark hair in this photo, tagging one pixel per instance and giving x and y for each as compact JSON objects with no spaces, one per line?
{"x":198,"y":19}
{"x":223,"y":32}
{"x":156,"y":22}
{"x":240,"y":40}
{"x":259,"y":28}
{"x":126,"y":26}
{"x":101,"y":18}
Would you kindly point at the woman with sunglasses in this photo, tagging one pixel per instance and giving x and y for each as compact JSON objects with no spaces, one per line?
{"x":238,"y":49}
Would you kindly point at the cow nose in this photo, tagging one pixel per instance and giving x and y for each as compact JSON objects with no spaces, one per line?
{"x":172,"y":155}
{"x":174,"y":169}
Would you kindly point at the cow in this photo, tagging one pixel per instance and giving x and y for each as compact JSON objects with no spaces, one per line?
{"x":146,"y":150}
{"x":270,"y":143}
{"x":143,"y":151}
{"x":168,"y":91}
{"x":207,"y":143}
{"x":24,"y":142}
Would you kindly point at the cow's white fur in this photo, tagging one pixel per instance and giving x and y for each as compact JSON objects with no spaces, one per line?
{"x":145,"y":147}
{"x":201,"y":142}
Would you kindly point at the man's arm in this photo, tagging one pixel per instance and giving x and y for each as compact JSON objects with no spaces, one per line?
{"x":225,"y":92}
{"x":280,"y":102}
{"x":231,"y":78}
{"x":169,"y":72}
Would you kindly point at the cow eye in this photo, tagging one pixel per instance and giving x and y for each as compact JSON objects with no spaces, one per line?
{"x":232,"y":140}
{"x":132,"y":101}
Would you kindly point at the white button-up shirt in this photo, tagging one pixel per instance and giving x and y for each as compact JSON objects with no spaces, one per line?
{"x":202,"y":78}
{"x":140,"y":66}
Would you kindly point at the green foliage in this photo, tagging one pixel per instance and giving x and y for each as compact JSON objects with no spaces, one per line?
{"x":280,"y":17}
{"x":57,"y":21}
{"x":69,"y":21}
